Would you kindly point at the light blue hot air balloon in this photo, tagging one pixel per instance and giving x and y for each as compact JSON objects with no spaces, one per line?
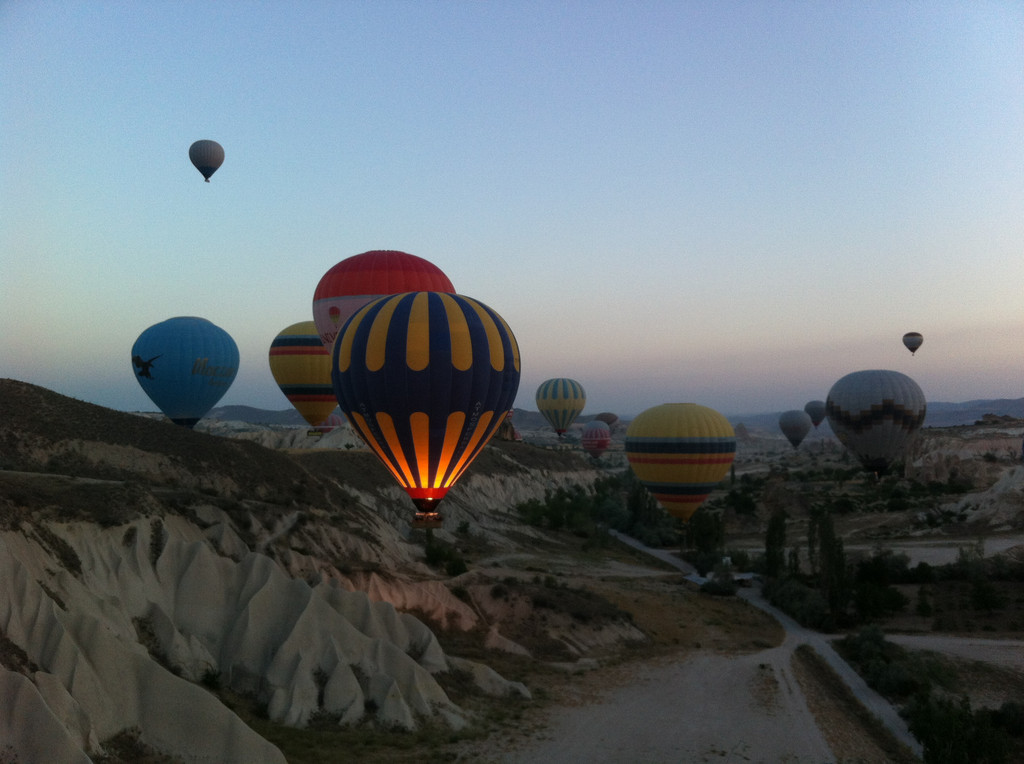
{"x":185,"y":365}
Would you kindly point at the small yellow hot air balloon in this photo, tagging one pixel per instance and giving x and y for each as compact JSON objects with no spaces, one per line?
{"x":301,"y":366}
{"x":680,"y":452}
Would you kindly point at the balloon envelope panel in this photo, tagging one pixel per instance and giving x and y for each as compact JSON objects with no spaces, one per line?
{"x":596,"y":438}
{"x":795,"y":425}
{"x":301,"y":366}
{"x":560,"y":401}
{"x":426,"y":378}
{"x":680,"y":452}
{"x":185,"y":365}
{"x":875,"y":413}
{"x":360,"y":279}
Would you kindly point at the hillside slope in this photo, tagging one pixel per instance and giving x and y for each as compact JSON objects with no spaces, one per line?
{"x":139,"y":560}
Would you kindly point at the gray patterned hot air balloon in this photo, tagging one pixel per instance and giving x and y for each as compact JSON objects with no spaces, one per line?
{"x":912,"y":341}
{"x":795,"y":425}
{"x":875,"y":414}
{"x":207,"y":156}
{"x":816,"y":411}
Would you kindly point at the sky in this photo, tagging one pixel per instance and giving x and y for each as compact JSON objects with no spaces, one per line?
{"x":729,"y":203}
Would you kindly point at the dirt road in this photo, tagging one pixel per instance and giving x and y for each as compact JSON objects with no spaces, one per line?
{"x":1000,"y":652}
{"x":707,"y":708}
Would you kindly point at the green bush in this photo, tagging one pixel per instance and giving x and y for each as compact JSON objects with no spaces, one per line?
{"x":888,"y":668}
{"x":952,"y":733}
{"x":445,"y":556}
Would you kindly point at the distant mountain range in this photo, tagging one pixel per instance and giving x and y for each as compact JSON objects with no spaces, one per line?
{"x":940,"y":414}
{"x":254,"y":415}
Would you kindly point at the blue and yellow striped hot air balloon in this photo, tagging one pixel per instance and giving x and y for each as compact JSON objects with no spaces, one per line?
{"x":426,"y":378}
{"x":561,"y":401}
{"x":680,"y":452}
{"x":301,"y":366}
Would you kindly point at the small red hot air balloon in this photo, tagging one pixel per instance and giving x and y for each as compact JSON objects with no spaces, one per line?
{"x":596,"y":438}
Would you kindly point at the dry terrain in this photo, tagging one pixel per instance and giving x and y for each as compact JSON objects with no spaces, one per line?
{"x":541,"y":646}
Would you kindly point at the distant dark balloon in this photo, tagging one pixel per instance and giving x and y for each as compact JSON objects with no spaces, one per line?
{"x":608,"y":418}
{"x":185,"y":365}
{"x":875,"y":414}
{"x":816,"y":411}
{"x":355,"y":281}
{"x":596,"y":438}
{"x":912,"y":341}
{"x":426,"y":378}
{"x":560,"y":401}
{"x":207,"y":156}
{"x":795,"y":425}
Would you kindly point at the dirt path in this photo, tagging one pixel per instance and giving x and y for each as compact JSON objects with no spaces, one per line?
{"x":707,"y":708}
{"x":733,"y":707}
{"x":1008,"y":653}
{"x":878,"y":706}
{"x":714,"y":707}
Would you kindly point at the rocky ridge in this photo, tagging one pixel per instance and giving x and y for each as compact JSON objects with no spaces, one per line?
{"x":140,"y":561}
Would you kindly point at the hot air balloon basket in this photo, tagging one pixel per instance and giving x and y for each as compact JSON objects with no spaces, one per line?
{"x":424,"y":520}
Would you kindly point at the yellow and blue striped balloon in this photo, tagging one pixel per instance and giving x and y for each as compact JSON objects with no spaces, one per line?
{"x":680,"y":452}
{"x":561,"y":401}
{"x":426,"y":378}
{"x":301,"y":366}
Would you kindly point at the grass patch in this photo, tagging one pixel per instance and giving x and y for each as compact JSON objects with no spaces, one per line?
{"x":325,"y":742}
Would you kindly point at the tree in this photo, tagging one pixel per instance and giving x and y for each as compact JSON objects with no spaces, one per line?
{"x":775,"y":545}
{"x":812,"y":541}
{"x":834,"y":578}
{"x":705,"y":532}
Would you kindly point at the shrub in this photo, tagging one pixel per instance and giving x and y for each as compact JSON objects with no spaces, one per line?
{"x":805,"y":605}
{"x":890,"y":669}
{"x":952,"y":733}
{"x":499,"y":592}
{"x":445,"y":556}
